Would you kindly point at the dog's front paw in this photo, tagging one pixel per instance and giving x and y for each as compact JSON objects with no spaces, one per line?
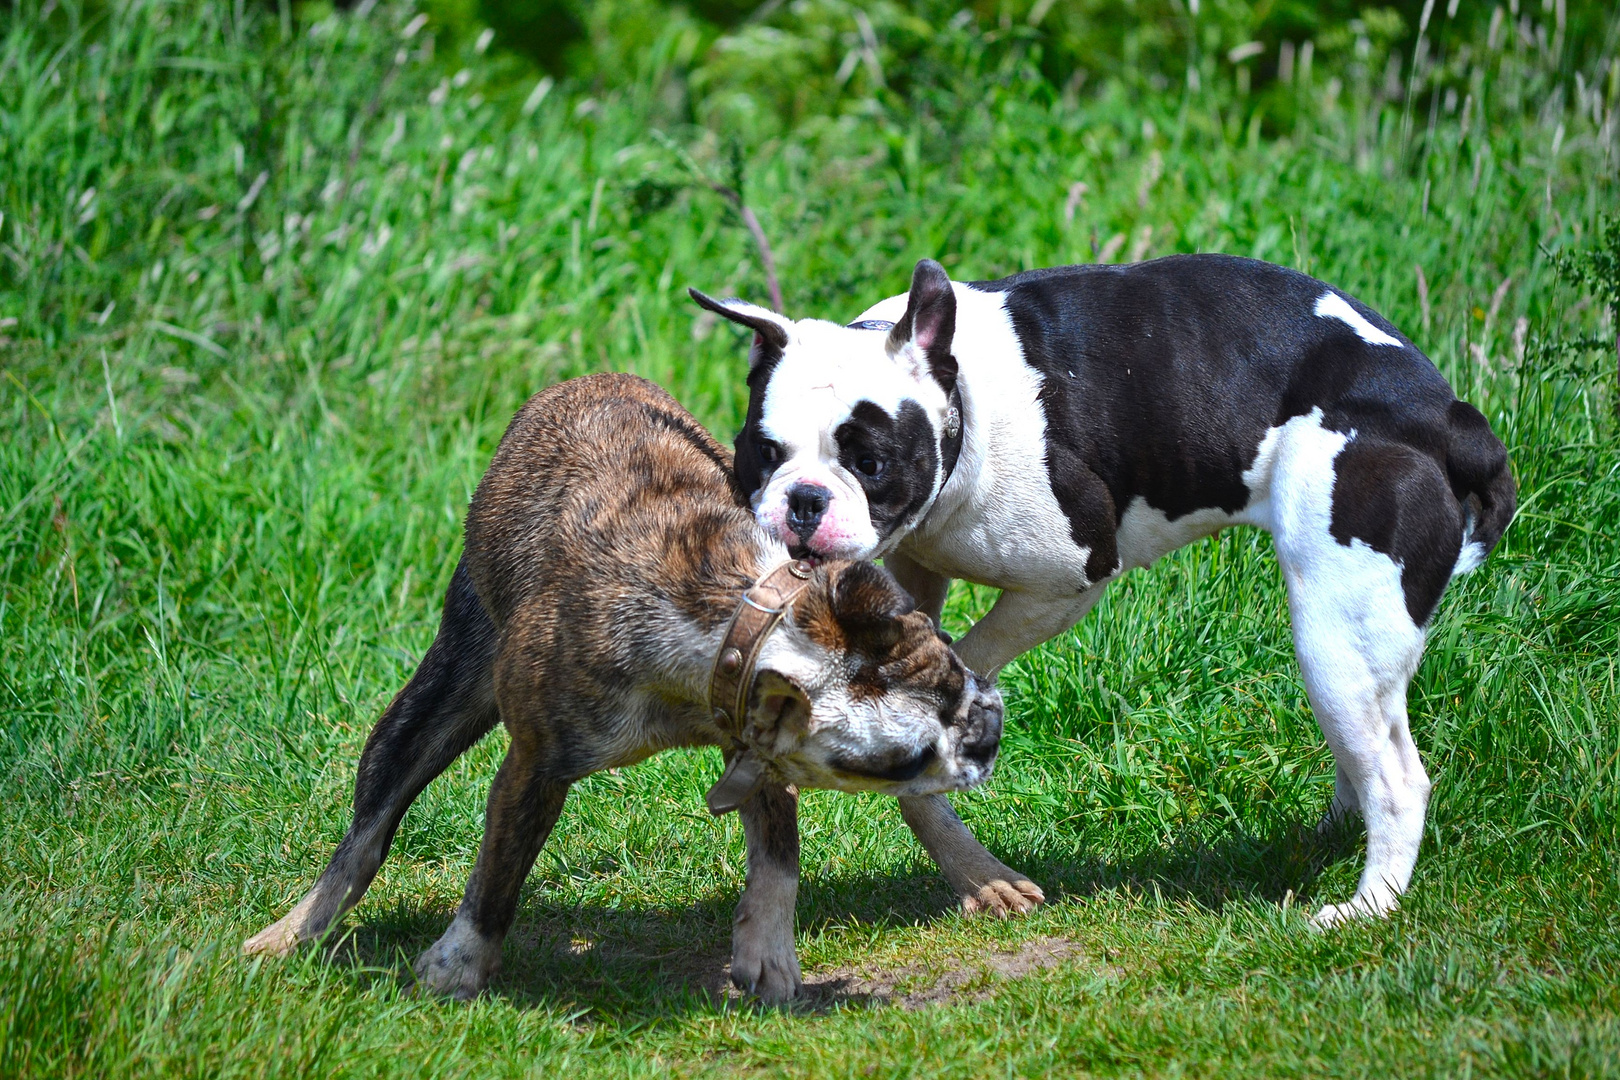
{"x":1376,"y":906}
{"x":1004,"y":899}
{"x":459,"y":965}
{"x":772,"y":975}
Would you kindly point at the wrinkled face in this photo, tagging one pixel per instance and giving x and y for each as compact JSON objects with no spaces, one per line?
{"x":845,"y":447}
{"x":841,"y":450}
{"x":861,"y":693}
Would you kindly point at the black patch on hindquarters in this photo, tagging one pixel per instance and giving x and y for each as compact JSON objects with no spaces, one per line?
{"x":1398,"y":501}
{"x":1160,"y":380}
{"x":1477,"y":465}
{"x":903,"y":447}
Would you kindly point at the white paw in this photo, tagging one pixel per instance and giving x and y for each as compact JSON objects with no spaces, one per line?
{"x":459,"y":965}
{"x":1004,"y":898}
{"x":1359,"y":907}
{"x":770,"y":974}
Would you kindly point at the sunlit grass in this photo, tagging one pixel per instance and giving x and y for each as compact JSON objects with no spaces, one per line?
{"x":243,"y":418}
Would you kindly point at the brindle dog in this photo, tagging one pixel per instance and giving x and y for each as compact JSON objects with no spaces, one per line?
{"x":607,"y":549}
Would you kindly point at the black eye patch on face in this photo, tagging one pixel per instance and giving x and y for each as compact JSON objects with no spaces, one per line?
{"x":892,"y":458}
{"x":871,"y":324}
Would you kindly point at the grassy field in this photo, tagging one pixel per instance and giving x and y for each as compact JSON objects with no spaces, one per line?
{"x":270,"y":290}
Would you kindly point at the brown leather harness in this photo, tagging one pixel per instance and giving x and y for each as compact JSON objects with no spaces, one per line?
{"x":764,"y":604}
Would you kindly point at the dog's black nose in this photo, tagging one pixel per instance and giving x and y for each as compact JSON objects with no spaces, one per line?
{"x":806,"y":503}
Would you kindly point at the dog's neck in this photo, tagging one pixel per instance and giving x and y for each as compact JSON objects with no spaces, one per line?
{"x":697,"y":608}
{"x":962,"y":479}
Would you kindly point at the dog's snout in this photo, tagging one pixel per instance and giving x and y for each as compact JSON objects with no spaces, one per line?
{"x":806,"y":503}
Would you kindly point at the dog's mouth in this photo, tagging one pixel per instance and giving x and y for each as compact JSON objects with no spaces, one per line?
{"x":894,"y":772}
{"x":803,"y":553}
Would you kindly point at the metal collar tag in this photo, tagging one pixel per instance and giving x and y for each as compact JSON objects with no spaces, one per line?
{"x":744,"y":775}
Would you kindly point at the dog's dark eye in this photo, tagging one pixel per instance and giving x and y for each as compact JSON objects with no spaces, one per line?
{"x":769,"y":452}
{"x":868,"y":465}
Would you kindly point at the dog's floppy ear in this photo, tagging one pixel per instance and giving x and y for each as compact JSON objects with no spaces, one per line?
{"x":777,"y":706}
{"x":776,"y":703}
{"x":770,"y":329}
{"x":930,"y":321}
{"x":868,"y":603}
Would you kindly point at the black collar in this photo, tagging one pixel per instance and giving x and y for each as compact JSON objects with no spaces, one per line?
{"x":951,"y":445}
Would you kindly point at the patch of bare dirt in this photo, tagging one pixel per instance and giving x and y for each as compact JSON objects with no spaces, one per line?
{"x":936,"y":980}
{"x":954,"y":980}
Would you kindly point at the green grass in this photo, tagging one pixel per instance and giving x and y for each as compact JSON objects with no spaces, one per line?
{"x":242,"y":417}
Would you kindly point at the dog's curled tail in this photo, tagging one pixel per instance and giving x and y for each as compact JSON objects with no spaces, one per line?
{"x":1477,"y":465}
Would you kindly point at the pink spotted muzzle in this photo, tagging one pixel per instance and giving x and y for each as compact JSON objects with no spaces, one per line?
{"x":809,"y":520}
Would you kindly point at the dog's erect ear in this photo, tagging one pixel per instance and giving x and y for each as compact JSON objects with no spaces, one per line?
{"x":930,"y":321}
{"x":770,"y":329}
{"x":868,"y":603}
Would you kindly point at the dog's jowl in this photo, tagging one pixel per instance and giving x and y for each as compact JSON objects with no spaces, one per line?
{"x":1050,"y":431}
{"x":616,"y":598}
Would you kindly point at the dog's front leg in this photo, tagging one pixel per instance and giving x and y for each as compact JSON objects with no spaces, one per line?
{"x":1019,"y":621}
{"x":984,"y":882}
{"x":763,"y":961}
{"x":926,"y":587}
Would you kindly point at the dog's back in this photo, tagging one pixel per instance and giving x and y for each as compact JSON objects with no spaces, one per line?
{"x":599,"y":482}
{"x":1162,"y":381}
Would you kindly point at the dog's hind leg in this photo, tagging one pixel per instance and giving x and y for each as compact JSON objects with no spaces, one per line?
{"x":448,"y":705}
{"x":1359,"y":609}
{"x":524,"y":803}
{"x":1357,"y":667}
{"x":763,"y":960}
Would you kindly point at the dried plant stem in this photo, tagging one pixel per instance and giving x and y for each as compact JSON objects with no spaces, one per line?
{"x":764,"y":245}
{"x":749,"y":218}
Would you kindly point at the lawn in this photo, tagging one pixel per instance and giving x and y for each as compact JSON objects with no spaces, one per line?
{"x":272,"y":281}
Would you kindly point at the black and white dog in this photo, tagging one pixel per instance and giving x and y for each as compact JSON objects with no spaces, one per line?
{"x":1050,"y":431}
